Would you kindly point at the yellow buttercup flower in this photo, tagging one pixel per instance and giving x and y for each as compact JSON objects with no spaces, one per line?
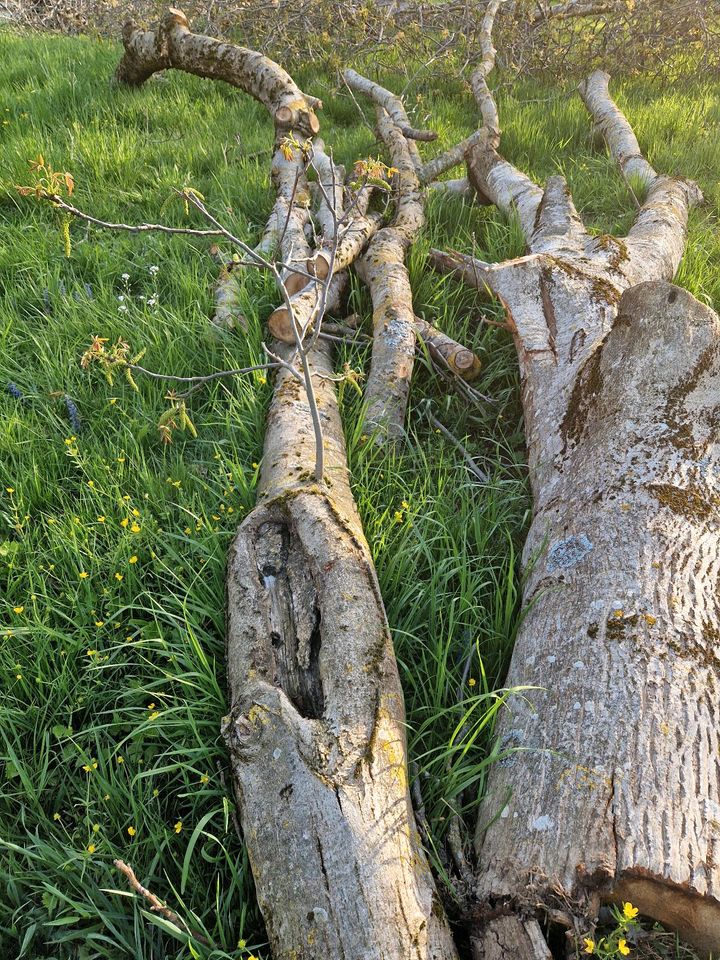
{"x":623,"y":948}
{"x":133,"y":559}
{"x":629,"y":911}
{"x":18,"y":609}
{"x":131,"y":831}
{"x":589,"y":945}
{"x":91,"y":848}
{"x":135,"y":528}
{"x":178,"y":826}
{"x":124,"y":522}
{"x":84,"y":575}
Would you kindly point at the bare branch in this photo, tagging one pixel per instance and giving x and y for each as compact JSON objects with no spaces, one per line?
{"x":474,"y":469}
{"x":156,"y":904}
{"x":392,"y":103}
{"x":60,"y":204}
{"x":576,"y":8}
{"x":171,"y":43}
{"x":656,"y":240}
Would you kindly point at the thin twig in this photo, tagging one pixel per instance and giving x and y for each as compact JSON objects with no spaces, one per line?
{"x":156,"y":905}
{"x":207,"y":377}
{"x":477,"y":472}
{"x":58,"y":202}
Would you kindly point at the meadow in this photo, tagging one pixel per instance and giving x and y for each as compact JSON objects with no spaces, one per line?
{"x":113,"y":544}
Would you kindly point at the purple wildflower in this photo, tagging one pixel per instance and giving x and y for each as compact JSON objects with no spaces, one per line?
{"x":73,"y":414}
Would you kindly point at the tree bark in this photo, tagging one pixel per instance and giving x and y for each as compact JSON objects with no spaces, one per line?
{"x":383,"y":268}
{"x":614,"y":790}
{"x":171,"y":43}
{"x":609,"y":780}
{"x":317,"y":726}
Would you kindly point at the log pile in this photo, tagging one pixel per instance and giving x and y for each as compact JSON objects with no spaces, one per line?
{"x":609,"y":782}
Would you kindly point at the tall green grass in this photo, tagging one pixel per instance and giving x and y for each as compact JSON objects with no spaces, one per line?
{"x":112,"y":546}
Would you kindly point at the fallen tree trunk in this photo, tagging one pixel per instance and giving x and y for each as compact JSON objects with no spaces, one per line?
{"x":611,"y":773}
{"x":316,"y":730}
{"x":613,"y":794}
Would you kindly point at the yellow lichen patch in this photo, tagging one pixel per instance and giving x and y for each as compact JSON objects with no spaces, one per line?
{"x":584,"y":778}
{"x":258,"y":715}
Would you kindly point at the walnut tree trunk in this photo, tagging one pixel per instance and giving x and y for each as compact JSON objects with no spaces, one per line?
{"x":316,"y":730}
{"x":611,"y":783}
{"x":607,"y":786}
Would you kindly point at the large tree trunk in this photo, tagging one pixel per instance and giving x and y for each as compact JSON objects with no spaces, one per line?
{"x":317,"y":725}
{"x":316,"y":728}
{"x":613,"y":789}
{"x":609,"y":780}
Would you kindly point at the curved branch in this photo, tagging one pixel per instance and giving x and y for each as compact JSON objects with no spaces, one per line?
{"x":392,"y":103}
{"x":656,"y":240}
{"x":171,"y":43}
{"x":492,"y":177}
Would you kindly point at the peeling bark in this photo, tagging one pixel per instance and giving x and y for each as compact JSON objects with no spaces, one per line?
{"x":609,"y":786}
{"x":317,"y":726}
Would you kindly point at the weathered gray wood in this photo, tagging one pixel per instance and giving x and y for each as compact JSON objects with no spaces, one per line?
{"x":616,"y":787}
{"x":511,"y":938}
{"x":316,"y":730}
{"x":611,"y":783}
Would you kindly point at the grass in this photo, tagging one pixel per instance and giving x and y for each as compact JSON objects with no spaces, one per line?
{"x":112,"y":667}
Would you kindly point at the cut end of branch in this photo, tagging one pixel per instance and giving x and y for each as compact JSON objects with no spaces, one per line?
{"x":318,"y":266}
{"x":280,"y":325}
{"x":295,"y":282}
{"x":305,"y":120}
{"x":175,"y":16}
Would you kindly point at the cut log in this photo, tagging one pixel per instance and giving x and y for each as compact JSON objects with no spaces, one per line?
{"x":171,"y":43}
{"x":304,"y":304}
{"x":611,"y":770}
{"x":461,"y":361}
{"x":317,"y":726}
